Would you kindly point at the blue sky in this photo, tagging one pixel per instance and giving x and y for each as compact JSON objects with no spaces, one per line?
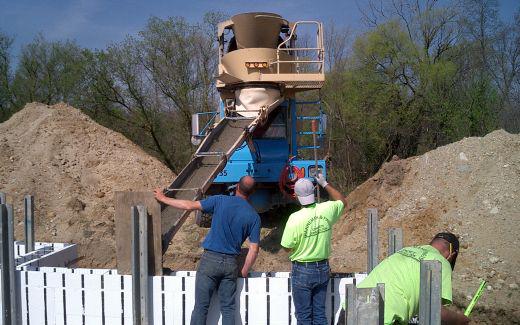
{"x":97,"y":23}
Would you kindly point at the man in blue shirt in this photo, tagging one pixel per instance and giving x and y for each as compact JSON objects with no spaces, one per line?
{"x":234,"y":220}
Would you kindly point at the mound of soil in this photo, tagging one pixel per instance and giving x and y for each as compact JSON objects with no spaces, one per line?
{"x":72,"y":166}
{"x":470,"y":188}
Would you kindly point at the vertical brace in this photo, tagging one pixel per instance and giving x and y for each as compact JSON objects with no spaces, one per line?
{"x":381,"y":298}
{"x":372,"y":240}
{"x":430,"y":293}
{"x":5,"y":266}
{"x":12,"y":266}
{"x":144,"y":264}
{"x":365,"y":305}
{"x":395,"y":240}
{"x":351,"y":297}
{"x":29,"y":223}
{"x":136,"y":274}
{"x":140,"y":267}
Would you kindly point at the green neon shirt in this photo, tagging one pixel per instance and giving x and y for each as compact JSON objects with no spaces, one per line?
{"x":308,"y":231}
{"x":400,"y":273}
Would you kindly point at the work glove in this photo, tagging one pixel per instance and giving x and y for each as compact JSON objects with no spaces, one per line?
{"x":320,"y":179}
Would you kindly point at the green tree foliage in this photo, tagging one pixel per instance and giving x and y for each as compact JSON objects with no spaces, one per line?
{"x":403,"y":92}
{"x":150,"y":85}
{"x":5,"y":76}
{"x":49,"y":72}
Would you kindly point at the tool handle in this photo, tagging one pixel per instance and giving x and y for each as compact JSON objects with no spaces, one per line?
{"x":475,"y":298}
{"x":314,"y":128}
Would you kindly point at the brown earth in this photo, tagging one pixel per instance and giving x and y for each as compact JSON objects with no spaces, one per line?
{"x":72,"y":166}
{"x":470,"y":187}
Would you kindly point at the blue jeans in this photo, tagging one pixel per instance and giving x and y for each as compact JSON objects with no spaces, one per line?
{"x":215,"y":272}
{"x":309,"y":290}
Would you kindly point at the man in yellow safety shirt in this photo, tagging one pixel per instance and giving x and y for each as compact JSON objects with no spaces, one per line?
{"x":307,"y":235}
{"x":400,"y":272}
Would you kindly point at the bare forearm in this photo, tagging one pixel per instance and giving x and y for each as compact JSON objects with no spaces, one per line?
{"x":449,"y":317}
{"x":250,"y":259}
{"x":335,"y":194}
{"x":182,"y":204}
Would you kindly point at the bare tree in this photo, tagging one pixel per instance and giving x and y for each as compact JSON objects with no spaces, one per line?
{"x":497,"y":54}
{"x":5,"y":76}
{"x":157,"y":80}
{"x":337,"y":45}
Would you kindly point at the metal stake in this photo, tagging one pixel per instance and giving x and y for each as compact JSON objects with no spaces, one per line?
{"x":29,"y":223}
{"x":365,"y":305}
{"x":2,"y":198}
{"x":5,"y":266}
{"x":430,"y":293}
{"x":372,"y":240}
{"x":12,"y":266}
{"x":351,"y":297}
{"x":395,"y":240}
{"x":140,"y":269}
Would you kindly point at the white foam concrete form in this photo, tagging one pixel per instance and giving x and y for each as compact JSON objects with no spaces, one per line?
{"x":52,"y":294}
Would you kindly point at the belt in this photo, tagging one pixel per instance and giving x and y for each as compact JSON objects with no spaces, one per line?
{"x":219,"y":254}
{"x":316,"y":263}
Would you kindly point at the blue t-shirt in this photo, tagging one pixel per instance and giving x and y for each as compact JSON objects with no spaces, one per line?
{"x":234,"y":220}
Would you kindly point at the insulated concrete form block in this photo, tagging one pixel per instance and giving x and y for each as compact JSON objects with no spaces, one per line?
{"x":174,"y":304}
{"x":93,"y":299}
{"x":57,"y":295}
{"x":256,"y":289}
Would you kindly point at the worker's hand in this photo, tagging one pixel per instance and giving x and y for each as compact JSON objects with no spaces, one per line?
{"x":159,"y":194}
{"x":464,"y":319}
{"x":244,"y":273}
{"x":320,"y":179}
{"x":453,"y":317}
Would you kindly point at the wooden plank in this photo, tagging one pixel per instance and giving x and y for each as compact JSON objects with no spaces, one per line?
{"x":123,"y":202}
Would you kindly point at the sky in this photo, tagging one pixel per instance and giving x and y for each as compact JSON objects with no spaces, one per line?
{"x":97,"y":23}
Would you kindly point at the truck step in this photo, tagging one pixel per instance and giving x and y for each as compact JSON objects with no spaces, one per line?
{"x":308,"y":117}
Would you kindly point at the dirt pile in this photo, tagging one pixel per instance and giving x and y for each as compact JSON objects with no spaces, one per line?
{"x":72,"y":166}
{"x":471,"y":188}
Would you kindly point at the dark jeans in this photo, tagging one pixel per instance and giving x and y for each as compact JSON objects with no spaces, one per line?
{"x":215,"y":272}
{"x":309,"y":291}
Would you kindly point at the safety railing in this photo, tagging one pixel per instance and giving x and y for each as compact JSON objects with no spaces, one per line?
{"x":287,"y":46}
{"x":196,"y":134}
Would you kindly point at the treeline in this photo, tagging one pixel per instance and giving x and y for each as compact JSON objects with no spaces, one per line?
{"x":422,"y":74}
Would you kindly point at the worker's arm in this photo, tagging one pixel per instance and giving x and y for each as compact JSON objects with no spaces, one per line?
{"x":333,"y":193}
{"x":250,"y":258}
{"x":449,"y":317}
{"x":179,"y":204}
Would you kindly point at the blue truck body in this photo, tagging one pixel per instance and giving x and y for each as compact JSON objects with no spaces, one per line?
{"x":277,"y":147}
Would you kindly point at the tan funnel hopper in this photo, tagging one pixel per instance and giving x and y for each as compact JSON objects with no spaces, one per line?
{"x":257,"y":29}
